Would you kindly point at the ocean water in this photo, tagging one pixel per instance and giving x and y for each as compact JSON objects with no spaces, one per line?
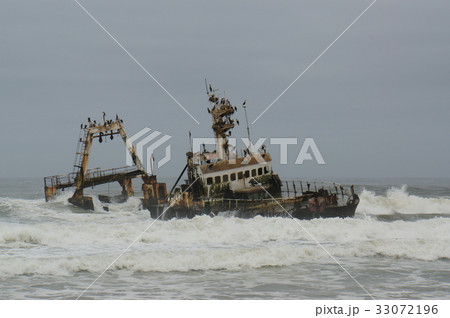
{"x":397,"y":246}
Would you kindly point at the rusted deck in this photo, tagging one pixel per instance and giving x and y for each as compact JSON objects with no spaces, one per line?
{"x":93,"y":177}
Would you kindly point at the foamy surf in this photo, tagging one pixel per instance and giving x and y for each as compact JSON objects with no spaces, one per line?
{"x":398,"y":200}
{"x":48,"y":238}
{"x":205,"y":243}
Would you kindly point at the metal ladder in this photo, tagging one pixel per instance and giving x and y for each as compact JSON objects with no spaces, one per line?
{"x":81,"y":147}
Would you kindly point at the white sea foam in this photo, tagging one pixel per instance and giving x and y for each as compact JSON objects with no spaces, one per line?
{"x":49,"y":238}
{"x":398,"y":200}
{"x":211,"y":243}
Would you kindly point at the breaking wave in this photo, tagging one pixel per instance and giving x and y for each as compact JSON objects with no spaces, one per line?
{"x":398,"y":200}
{"x":205,"y":243}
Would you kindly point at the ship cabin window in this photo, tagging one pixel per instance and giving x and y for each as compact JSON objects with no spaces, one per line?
{"x":225,"y":178}
{"x":217,"y":179}
{"x":247,"y":173}
{"x":240,"y":175}
{"x":259,"y":171}
{"x":209,"y":181}
{"x":254,"y":173}
{"x":266,"y":170}
{"x":233,"y":176}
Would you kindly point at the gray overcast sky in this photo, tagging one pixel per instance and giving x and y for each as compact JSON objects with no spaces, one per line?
{"x":377,"y":103}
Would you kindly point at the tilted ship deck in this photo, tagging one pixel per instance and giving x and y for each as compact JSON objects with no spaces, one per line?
{"x":218,"y":181}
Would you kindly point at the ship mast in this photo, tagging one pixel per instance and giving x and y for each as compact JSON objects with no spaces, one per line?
{"x":221,"y":112}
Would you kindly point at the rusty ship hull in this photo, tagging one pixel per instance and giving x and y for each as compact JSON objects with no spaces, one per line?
{"x":298,"y":207}
{"x":159,"y":212}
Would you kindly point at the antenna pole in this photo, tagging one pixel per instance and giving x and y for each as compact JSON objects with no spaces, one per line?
{"x":246,"y":119}
{"x":206,"y":85}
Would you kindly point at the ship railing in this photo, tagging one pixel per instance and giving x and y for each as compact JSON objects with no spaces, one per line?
{"x":97,"y":173}
{"x":69,"y":180}
{"x":242,"y":202}
{"x":300,"y":187}
{"x":61,"y":181}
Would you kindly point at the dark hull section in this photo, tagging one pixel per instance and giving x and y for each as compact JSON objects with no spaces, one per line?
{"x":302,"y":213}
{"x":85,"y":203}
{"x":347,"y":211}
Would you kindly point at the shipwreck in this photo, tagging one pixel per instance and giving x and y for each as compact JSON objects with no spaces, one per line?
{"x":217,"y":181}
